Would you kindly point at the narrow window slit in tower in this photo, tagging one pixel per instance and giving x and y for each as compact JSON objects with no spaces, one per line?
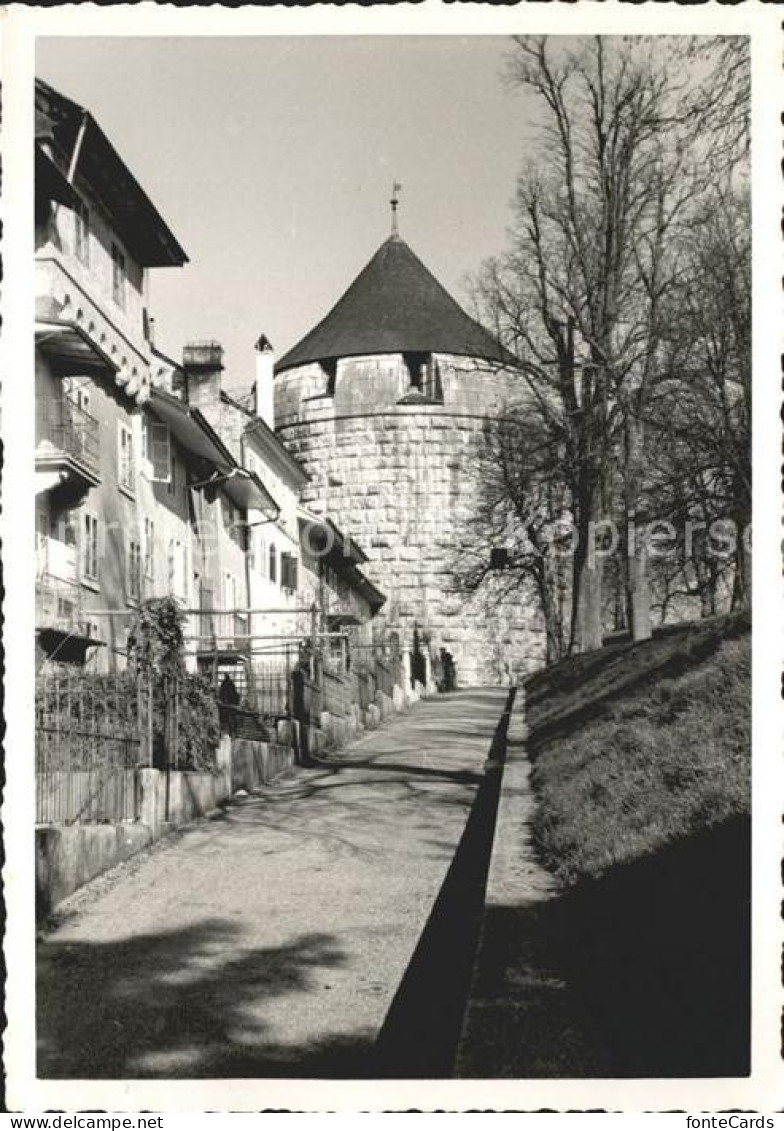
{"x":424,"y":376}
{"x":330,"y":370}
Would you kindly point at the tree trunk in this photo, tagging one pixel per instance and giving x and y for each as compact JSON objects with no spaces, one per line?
{"x":587,"y":618}
{"x":708,"y":586}
{"x":638,"y":595}
{"x":552,"y":619}
{"x":587,"y":572}
{"x":620,"y":619}
{"x":638,"y":589}
{"x":741,"y":582}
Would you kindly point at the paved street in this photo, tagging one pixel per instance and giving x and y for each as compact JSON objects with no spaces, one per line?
{"x":269,"y":942}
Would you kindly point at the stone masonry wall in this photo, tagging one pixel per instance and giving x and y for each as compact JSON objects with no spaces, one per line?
{"x":399,"y":481}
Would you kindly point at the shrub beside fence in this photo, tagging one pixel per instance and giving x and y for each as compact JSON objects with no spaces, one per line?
{"x":94,"y":731}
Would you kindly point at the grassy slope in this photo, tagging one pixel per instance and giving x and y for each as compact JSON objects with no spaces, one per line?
{"x":640,"y":745}
{"x":641,"y":766}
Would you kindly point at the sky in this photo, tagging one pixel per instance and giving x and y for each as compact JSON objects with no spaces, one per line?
{"x":272,"y":160}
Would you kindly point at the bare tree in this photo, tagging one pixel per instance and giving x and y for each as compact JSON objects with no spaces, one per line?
{"x":517,"y":534}
{"x":715,"y":113}
{"x":702,"y":410}
{"x":579,"y":295}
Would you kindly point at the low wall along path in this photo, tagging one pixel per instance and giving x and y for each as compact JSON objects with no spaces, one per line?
{"x":272,"y":941}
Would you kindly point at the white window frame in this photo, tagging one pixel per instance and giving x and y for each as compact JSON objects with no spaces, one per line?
{"x":172,"y":480}
{"x":90,"y":548}
{"x":157,"y":450}
{"x":125,"y":458}
{"x":178,"y":565}
{"x":149,"y":550}
{"x":133,"y":562}
{"x":77,"y":391}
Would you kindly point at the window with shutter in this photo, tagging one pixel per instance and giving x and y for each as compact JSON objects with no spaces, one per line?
{"x":159,"y":452}
{"x":288,"y":570}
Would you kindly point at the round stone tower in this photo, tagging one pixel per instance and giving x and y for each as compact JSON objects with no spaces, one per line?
{"x":384,"y":402}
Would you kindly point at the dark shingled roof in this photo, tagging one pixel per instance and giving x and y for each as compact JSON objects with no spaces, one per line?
{"x":395,"y":305}
{"x":59,"y":120}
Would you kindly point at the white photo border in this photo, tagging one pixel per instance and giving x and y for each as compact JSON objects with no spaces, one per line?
{"x":20,"y":26}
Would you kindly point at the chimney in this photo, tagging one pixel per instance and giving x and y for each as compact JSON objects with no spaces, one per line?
{"x":263,"y":390}
{"x":202,"y":363}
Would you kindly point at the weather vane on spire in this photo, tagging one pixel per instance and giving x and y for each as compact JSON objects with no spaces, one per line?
{"x":394,"y":202}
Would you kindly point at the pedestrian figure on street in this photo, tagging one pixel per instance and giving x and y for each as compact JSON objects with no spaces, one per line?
{"x":448,"y":665}
{"x":438,"y":672}
{"x":227,"y":692}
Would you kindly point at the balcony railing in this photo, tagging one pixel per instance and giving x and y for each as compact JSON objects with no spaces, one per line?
{"x":69,"y":432}
{"x":58,"y":605}
{"x":222,"y":631}
{"x":56,"y":559}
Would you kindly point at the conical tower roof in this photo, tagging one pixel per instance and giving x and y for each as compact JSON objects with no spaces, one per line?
{"x":395,"y":305}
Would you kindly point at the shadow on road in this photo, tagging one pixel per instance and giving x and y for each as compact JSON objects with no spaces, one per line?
{"x":168,"y":1005}
{"x":659,"y":950}
{"x":642,"y":973}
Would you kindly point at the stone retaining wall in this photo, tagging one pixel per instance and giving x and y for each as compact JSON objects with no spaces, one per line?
{"x":69,"y":856}
{"x":338,"y":730}
{"x":258,"y":763}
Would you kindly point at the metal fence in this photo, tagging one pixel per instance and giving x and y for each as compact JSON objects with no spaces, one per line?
{"x":387,"y":674}
{"x":94,"y":731}
{"x":364,"y":687}
{"x":336,"y":693}
{"x":373,"y":674}
{"x":290,"y":687}
{"x":263,"y":688}
{"x":306,"y":698}
{"x":88,"y":746}
{"x":269,"y":693}
{"x":220,"y":630}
